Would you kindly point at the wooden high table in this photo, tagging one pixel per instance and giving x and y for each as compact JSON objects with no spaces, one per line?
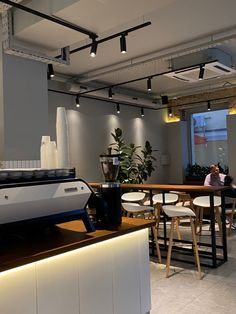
{"x":212,"y":256}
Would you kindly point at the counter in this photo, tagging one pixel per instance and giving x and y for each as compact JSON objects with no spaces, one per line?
{"x":70,"y":271}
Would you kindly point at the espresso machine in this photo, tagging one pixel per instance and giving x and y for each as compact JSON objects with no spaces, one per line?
{"x":107,"y":200}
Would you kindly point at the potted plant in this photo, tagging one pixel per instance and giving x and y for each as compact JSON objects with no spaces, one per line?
{"x":136,"y":163}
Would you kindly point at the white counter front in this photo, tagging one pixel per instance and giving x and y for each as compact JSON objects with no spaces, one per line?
{"x":108,"y":277}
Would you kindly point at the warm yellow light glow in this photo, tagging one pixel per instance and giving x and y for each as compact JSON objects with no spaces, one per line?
{"x":232,"y":110}
{"x":123,"y":241}
{"x":16,"y":269}
{"x":172,"y":119}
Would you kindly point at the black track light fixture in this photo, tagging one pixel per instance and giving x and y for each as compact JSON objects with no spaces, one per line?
{"x":170,"y":112}
{"x":93,"y":50}
{"x":123,"y":43}
{"x":208,"y":105}
{"x":50,"y":71}
{"x":149,"y":84}
{"x":110,"y":93}
{"x":142,"y":112}
{"x":118,"y":108}
{"x":77,"y":101}
{"x":201,"y":72}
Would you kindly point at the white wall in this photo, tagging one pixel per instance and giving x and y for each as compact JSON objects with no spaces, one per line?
{"x":90,"y":128}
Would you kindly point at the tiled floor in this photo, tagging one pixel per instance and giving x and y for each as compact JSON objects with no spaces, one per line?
{"x":184,"y":293}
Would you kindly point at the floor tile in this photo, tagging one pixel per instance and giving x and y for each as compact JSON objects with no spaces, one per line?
{"x":183,"y":293}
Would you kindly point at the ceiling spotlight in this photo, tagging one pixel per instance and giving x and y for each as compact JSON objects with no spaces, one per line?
{"x":50,"y":71}
{"x":208,"y":105}
{"x":201,"y":72}
{"x":110,"y":93}
{"x":77,"y":101}
{"x":149,"y":84}
{"x":170,"y":113}
{"x":123,"y":44}
{"x":93,"y":50}
{"x":118,"y":108}
{"x":142,"y":112}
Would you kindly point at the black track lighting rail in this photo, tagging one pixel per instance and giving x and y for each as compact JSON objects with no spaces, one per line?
{"x":141,"y":78}
{"x":51,"y":18}
{"x":137,"y":105}
{"x":104,"y":100}
{"x":100,"y":41}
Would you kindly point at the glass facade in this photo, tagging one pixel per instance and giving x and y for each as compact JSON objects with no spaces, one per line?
{"x":209,"y":138}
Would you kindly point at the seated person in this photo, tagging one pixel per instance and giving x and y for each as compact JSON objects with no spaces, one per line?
{"x":215,"y":178}
{"x":231,"y":192}
{"x":228,"y":181}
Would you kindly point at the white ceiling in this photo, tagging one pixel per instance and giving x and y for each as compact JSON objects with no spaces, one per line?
{"x":177,"y":27}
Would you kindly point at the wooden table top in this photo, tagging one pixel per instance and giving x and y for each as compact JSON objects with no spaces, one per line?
{"x":20,"y":250}
{"x":168,"y":187}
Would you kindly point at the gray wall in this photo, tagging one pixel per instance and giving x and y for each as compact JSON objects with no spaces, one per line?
{"x":177,"y":148}
{"x":29,"y":111}
{"x":25,"y":111}
{"x":90,"y":128}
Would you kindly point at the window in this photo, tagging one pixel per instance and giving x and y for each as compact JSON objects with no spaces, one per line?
{"x":209,"y":138}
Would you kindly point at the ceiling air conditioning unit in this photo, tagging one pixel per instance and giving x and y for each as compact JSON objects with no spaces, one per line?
{"x":216,"y":64}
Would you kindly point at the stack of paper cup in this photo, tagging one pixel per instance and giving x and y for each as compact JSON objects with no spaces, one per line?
{"x":52,"y":155}
{"x":44,"y":151}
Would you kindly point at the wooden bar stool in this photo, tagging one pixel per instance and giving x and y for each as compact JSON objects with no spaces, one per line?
{"x":176,"y":212}
{"x":134,"y":197}
{"x":169,"y":198}
{"x":135,"y":210}
{"x":202,"y":202}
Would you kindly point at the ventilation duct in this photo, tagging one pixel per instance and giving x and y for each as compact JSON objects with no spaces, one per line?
{"x":216,"y":64}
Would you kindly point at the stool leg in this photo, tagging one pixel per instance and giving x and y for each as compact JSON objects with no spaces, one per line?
{"x":195,"y":247}
{"x":157,"y":215}
{"x":201,"y":220}
{"x":177,"y":229}
{"x":197,"y":218}
{"x":170,"y":247}
{"x":154,"y":229}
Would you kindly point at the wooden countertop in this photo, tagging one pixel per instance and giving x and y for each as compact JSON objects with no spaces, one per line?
{"x":18,"y":250}
{"x":168,"y":187}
